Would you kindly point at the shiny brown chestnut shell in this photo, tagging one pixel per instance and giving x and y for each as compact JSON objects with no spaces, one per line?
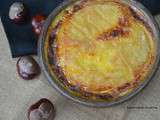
{"x":37,"y":23}
{"x":27,"y":68}
{"x":41,"y":110}
{"x":18,"y":12}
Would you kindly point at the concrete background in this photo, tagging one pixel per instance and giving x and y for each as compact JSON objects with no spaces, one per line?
{"x":16,"y":95}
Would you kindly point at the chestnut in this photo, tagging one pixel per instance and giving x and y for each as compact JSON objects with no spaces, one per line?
{"x":18,"y":12}
{"x":37,"y":23}
{"x":41,"y":110}
{"x":27,"y":67}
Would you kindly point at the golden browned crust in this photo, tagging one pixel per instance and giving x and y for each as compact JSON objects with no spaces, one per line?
{"x":114,"y":33}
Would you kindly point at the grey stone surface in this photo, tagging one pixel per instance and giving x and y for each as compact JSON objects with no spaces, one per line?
{"x":16,"y":95}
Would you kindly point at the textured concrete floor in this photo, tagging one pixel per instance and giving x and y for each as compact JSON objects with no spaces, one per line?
{"x":16,"y":95}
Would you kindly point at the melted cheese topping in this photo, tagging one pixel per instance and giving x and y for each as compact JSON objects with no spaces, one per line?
{"x":102,"y":48}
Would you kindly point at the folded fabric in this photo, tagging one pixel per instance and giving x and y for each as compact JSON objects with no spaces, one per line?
{"x":21,"y":38}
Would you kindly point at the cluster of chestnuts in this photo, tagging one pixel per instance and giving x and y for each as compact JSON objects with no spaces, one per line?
{"x":19,"y":14}
{"x":27,"y":67}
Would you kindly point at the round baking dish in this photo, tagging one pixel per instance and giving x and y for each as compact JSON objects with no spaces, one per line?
{"x":60,"y":88}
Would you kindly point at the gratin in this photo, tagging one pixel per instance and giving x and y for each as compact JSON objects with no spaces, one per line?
{"x":100,"y":49}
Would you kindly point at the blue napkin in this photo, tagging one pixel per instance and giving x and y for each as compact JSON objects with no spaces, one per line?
{"x":22,"y":40}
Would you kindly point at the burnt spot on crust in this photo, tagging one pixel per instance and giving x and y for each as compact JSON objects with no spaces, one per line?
{"x":135,"y":83}
{"x":113,"y":33}
{"x":50,"y":51}
{"x":136,"y":15}
{"x":124,"y":87}
{"x":120,"y":30}
{"x":77,"y":8}
{"x":52,"y":37}
{"x":54,"y":30}
{"x":138,"y":76}
{"x":105,"y":96}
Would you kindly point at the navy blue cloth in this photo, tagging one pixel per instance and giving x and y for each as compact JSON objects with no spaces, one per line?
{"x":21,"y":38}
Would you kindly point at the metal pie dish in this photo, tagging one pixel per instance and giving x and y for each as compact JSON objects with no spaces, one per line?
{"x":60,"y":87}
